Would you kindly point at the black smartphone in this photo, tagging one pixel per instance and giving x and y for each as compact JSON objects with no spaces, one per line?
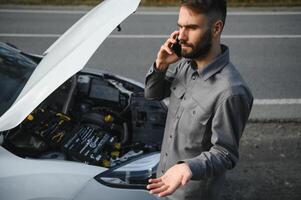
{"x":177,"y":48}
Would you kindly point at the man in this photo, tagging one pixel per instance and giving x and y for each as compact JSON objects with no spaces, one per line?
{"x":209,"y":105}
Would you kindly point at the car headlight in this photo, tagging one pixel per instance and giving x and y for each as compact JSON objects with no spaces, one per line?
{"x":132,"y":175}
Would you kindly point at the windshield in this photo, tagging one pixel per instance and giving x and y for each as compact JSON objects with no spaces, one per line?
{"x":15,"y":70}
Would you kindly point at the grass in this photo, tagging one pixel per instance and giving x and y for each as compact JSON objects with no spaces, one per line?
{"x":231,"y":3}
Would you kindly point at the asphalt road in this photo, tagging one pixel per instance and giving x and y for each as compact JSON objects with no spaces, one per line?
{"x":264,"y":45}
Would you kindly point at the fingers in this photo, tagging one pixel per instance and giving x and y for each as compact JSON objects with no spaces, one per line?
{"x":154,"y":185}
{"x":159,"y":190}
{"x":166,"y":55}
{"x":167,"y":45}
{"x":185,"y":179}
{"x":166,"y":192}
{"x":154,"y":180}
{"x":169,"y":190}
{"x":187,"y":175}
{"x":167,"y":49}
{"x":171,"y":40}
{"x":175,"y":177}
{"x":174,"y":34}
{"x":163,"y":186}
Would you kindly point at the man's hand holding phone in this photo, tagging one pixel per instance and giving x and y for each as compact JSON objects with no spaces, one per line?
{"x":169,"y":52}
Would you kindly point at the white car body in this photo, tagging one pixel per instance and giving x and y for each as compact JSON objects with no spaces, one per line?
{"x":46,"y":179}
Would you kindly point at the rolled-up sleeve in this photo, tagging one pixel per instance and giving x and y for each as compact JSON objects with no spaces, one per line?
{"x":228,"y":123}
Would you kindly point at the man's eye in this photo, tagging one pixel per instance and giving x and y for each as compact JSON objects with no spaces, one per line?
{"x":192,"y":27}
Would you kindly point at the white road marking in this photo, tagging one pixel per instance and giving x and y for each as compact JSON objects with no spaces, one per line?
{"x":231,"y":13}
{"x":277,"y":102}
{"x":135,"y":36}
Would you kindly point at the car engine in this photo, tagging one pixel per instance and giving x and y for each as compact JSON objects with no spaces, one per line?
{"x":98,"y":120}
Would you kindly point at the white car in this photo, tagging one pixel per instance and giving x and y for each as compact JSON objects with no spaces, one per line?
{"x":69,"y":133}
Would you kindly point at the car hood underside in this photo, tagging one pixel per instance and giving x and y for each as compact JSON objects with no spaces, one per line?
{"x":67,"y":56}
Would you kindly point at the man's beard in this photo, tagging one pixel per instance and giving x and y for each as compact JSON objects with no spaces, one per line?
{"x":202,"y":48}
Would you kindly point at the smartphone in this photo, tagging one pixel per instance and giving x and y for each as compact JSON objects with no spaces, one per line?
{"x":177,"y":48}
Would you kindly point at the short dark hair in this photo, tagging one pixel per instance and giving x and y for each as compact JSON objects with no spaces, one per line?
{"x":213,"y":9}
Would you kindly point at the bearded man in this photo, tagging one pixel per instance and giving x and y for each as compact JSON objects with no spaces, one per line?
{"x":209,"y":105}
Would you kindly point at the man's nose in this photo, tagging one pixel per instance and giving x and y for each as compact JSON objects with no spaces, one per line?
{"x":182,"y":35}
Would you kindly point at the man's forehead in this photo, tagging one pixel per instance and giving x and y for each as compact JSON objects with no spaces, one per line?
{"x":190,"y":17}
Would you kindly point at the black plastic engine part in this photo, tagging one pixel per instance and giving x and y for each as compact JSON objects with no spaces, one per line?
{"x":102,"y":91}
{"x":148,"y":119}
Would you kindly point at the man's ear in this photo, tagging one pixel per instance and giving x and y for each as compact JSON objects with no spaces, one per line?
{"x":218,"y":28}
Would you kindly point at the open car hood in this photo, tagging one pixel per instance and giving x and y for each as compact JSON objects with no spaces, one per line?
{"x":67,"y":56}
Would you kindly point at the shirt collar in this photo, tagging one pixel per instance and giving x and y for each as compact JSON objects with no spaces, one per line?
{"x":215,"y":66}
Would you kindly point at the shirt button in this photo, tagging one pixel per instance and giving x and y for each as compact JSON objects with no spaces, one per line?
{"x":166,"y":154}
{"x":170,"y":136}
{"x":162,"y":171}
{"x":193,"y":77}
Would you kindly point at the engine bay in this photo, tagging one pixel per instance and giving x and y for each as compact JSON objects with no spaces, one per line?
{"x":95,"y":119}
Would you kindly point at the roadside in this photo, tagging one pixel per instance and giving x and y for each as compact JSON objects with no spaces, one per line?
{"x":270,"y":163}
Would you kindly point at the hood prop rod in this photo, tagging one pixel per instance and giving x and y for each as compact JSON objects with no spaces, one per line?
{"x":70,"y":94}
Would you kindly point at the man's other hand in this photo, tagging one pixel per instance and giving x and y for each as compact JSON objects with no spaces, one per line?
{"x":176,"y":176}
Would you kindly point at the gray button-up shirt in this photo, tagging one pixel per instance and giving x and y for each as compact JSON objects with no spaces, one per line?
{"x":207,"y":113}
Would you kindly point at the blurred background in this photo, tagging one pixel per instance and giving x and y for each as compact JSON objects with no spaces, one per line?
{"x":157,"y":2}
{"x":264,"y":38}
